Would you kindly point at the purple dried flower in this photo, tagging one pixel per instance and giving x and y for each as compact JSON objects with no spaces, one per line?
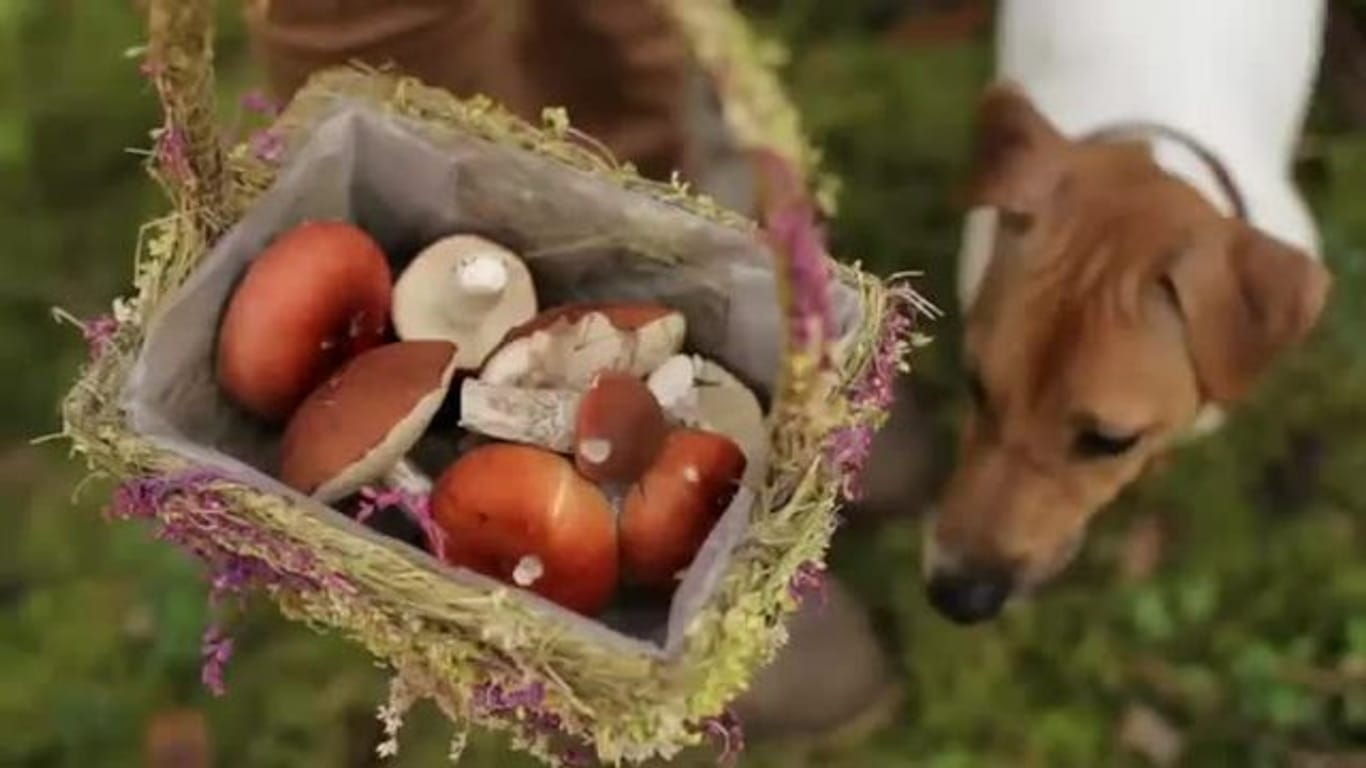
{"x":416,"y":505}
{"x":849,"y":448}
{"x":171,"y":150}
{"x":217,"y":650}
{"x":795,"y":232}
{"x":99,"y":334}
{"x":809,"y":582}
{"x":191,"y":514}
{"x":847,"y":453}
{"x":267,"y":146}
{"x":258,"y":102}
{"x":792,"y":222}
{"x":522,"y":705}
{"x":528,"y":697}
{"x":575,"y":757}
{"x":727,"y":731}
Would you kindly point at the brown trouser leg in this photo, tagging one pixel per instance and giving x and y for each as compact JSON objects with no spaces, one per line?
{"x":617,"y":65}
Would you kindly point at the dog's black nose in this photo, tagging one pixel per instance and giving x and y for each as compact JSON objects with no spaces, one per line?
{"x":970,"y":597}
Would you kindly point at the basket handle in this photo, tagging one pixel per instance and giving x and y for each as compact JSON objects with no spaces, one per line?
{"x":190,"y":160}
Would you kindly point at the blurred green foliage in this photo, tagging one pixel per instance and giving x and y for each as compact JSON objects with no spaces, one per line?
{"x":1249,"y":637}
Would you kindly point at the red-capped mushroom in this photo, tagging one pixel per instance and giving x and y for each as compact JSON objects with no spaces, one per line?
{"x":668,"y":514}
{"x":524,"y":516}
{"x":357,"y":426}
{"x":316,"y":297}
{"x":466,"y":290}
{"x":568,"y":345}
{"x":698,"y":392}
{"x":619,"y":430}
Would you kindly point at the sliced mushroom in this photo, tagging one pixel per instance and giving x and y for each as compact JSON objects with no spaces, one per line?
{"x":668,"y":514}
{"x":466,"y":290}
{"x":357,"y":427}
{"x":698,"y":392}
{"x":524,"y":516}
{"x":316,"y":297}
{"x":540,"y":417}
{"x":619,"y":429}
{"x":569,"y":345}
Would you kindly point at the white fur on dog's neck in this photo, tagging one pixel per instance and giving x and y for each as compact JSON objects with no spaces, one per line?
{"x":1234,"y":75}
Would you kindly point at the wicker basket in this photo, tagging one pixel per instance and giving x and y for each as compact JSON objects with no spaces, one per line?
{"x":486,"y":654}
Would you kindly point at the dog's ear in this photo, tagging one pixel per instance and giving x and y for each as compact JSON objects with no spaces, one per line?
{"x":1245,"y":297}
{"x":1017,"y":161}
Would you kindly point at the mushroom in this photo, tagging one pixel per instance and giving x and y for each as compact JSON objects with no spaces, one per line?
{"x":357,"y":427}
{"x":522,"y":515}
{"x":316,"y":297}
{"x":614,"y":429}
{"x":668,"y":514}
{"x":540,"y":417}
{"x":619,"y":429}
{"x":698,"y":392}
{"x":466,"y":290}
{"x":568,"y":345}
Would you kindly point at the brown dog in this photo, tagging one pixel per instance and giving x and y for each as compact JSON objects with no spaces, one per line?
{"x":1117,"y":303}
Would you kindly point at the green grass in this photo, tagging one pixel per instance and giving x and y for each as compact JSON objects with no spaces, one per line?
{"x":1244,"y":637}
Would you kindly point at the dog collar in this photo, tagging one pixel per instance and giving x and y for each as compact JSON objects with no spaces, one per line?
{"x":1157,"y":133}
{"x":1211,"y":416}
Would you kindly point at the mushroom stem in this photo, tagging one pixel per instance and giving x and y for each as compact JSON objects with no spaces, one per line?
{"x":674,"y":385}
{"x":405,"y":476}
{"x":480,"y":280}
{"x":540,"y":417}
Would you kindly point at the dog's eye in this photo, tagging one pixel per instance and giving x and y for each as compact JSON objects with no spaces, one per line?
{"x":1092,"y":444}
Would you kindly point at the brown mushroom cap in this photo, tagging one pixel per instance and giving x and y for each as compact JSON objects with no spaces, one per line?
{"x":317,"y":296}
{"x":671,"y":511}
{"x":619,"y":429}
{"x":365,"y":417}
{"x":522,"y":514}
{"x":568,"y":345}
{"x":698,"y":392}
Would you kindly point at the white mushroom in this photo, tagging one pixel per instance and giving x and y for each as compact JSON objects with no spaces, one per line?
{"x":466,"y":290}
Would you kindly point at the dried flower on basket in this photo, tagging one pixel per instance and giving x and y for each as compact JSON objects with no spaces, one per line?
{"x":871,"y":395}
{"x":791,"y":223}
{"x":190,"y":513}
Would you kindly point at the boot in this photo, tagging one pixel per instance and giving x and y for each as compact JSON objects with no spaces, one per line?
{"x":830,"y":684}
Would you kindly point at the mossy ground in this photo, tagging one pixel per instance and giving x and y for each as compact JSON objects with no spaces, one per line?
{"x":1248,"y":635}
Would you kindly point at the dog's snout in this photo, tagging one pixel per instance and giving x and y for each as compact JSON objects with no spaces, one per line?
{"x":968,"y":597}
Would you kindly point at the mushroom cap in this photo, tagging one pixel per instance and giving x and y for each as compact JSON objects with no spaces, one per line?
{"x":699,"y":392}
{"x":466,"y":290}
{"x":568,"y":345}
{"x":365,"y":417}
{"x":619,"y":429}
{"x":727,"y":406}
{"x":503,"y":503}
{"x":315,"y":297}
{"x":668,"y":515}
